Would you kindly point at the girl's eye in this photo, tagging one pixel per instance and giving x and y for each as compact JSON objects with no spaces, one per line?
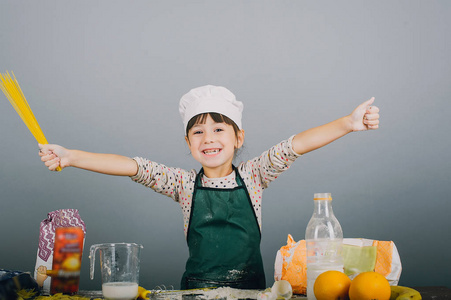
{"x":197,"y":132}
{"x":219,"y":129}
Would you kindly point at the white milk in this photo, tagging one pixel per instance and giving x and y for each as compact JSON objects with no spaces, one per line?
{"x":120,"y":290}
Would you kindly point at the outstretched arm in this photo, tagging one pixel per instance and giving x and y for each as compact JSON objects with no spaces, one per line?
{"x":111,"y":164}
{"x":364,"y":117}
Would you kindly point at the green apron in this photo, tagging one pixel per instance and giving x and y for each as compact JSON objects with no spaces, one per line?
{"x":223,"y":239}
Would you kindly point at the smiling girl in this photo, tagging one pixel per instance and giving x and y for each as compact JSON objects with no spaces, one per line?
{"x":221,"y":203}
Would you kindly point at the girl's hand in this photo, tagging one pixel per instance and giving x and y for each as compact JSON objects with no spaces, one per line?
{"x":54,"y":156}
{"x":365,"y":116}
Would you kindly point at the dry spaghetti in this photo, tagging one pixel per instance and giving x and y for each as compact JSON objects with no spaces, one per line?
{"x":13,"y":92}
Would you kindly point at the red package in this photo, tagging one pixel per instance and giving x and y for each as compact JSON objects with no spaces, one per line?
{"x":67,"y":253}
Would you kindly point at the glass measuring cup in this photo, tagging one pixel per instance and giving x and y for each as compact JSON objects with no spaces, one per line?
{"x":119,"y":264}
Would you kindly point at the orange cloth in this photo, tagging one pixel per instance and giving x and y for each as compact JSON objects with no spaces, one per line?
{"x":295,"y":270}
{"x":294,"y":262}
{"x":384,"y":257}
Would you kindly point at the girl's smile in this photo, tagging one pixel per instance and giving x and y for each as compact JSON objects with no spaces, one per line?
{"x":213,"y":145}
{"x":211,"y":152}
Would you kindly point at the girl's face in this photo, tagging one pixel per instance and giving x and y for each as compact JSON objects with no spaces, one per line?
{"x":213,"y":145}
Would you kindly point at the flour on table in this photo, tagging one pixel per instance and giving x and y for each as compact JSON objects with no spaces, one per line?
{"x":217,"y":293}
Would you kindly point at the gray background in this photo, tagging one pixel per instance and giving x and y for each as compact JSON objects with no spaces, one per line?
{"x":106,"y":76}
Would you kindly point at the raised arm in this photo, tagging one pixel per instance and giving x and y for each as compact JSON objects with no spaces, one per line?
{"x":364,"y":117}
{"x":111,"y":164}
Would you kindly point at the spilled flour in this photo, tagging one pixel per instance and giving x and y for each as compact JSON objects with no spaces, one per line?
{"x":280,"y":290}
{"x":218,"y":293}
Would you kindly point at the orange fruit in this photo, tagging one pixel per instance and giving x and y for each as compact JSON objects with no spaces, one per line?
{"x":369,"y":286}
{"x":332,"y":285}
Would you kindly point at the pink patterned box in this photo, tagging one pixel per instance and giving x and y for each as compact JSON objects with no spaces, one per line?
{"x":55,"y":219}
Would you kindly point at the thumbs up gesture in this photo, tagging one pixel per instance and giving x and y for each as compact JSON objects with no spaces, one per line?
{"x":365,"y":116}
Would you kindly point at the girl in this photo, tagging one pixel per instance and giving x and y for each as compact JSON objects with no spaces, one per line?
{"x":221,"y":203}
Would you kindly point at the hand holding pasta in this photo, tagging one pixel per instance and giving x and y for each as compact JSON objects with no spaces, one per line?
{"x":54,"y":156}
{"x":13,"y":92}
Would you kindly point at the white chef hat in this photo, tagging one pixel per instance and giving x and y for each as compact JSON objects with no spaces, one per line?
{"x":210,"y":98}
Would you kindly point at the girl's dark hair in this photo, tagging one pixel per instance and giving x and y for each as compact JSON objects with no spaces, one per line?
{"x":218,"y":118}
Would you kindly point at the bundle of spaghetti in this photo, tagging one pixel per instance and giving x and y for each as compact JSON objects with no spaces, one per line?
{"x":13,"y":92}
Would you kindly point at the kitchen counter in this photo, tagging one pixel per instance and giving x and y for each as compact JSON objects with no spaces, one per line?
{"x":427,"y":293}
{"x":434,"y":292}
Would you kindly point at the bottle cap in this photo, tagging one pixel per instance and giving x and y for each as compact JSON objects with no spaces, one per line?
{"x":322,"y":196}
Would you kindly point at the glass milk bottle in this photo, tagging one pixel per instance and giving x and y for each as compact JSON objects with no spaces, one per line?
{"x":324,"y":240}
